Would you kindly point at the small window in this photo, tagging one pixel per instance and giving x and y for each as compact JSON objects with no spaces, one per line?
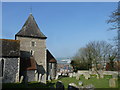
{"x":2,"y":62}
{"x":33,"y":44}
{"x":51,"y":66}
{"x":31,"y":52}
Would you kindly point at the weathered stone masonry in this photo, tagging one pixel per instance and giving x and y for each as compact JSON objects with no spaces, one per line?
{"x":26,"y":58}
{"x":11,"y":70}
{"x":9,"y":60}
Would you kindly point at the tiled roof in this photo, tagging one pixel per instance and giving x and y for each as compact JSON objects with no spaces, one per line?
{"x":50,"y":58}
{"x":28,"y":63}
{"x":31,"y":29}
{"x":9,"y":48}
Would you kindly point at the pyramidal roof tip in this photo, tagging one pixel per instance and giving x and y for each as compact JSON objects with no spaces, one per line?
{"x":31,"y":29}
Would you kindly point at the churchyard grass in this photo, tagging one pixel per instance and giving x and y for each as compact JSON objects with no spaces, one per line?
{"x":98,"y":83}
{"x":27,"y":85}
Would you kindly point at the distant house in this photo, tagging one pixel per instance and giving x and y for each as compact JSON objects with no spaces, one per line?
{"x":63,"y":66}
{"x":27,"y":56}
{"x":116,"y":66}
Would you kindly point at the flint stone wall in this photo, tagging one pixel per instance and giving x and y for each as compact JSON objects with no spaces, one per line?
{"x":10,"y":70}
{"x":31,"y":75}
{"x":39,"y":52}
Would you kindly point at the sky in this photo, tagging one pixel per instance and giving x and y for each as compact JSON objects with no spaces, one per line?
{"x":68,"y":26}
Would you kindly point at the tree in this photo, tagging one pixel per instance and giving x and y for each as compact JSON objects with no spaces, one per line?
{"x":115,"y":21}
{"x":95,"y":52}
{"x":79,"y":62}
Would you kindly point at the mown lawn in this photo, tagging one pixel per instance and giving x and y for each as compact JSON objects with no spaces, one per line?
{"x":98,"y":83}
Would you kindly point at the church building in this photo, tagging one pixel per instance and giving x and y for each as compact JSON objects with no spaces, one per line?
{"x":27,"y":58}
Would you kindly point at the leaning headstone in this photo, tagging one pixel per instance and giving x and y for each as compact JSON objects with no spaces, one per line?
{"x":82,"y":88}
{"x":73,"y":86}
{"x":80,"y":83}
{"x":112,"y":83}
{"x":59,"y":85}
{"x":89,"y":87}
{"x":21,"y":79}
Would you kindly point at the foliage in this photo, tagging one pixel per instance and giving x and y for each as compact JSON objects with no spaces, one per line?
{"x":77,"y":65}
{"x":95,"y":53}
{"x":114,"y":19}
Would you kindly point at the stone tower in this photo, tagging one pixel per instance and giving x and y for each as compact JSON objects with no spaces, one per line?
{"x":33,"y":43}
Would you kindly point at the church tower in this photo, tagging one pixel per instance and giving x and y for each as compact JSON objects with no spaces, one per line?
{"x":33,"y":44}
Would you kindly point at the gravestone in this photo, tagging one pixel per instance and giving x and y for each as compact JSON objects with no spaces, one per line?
{"x":36,"y":76}
{"x":77,"y":77}
{"x":56,"y":77}
{"x":49,"y":78}
{"x":74,"y":74}
{"x":70,"y":74}
{"x":59,"y":85}
{"x":80,"y":83}
{"x":39,"y":79}
{"x":86,"y":75}
{"x":21,"y":79}
{"x":101,"y":74}
{"x":97,"y":76}
{"x":89,"y":87}
{"x":115,"y":76}
{"x":73,"y":86}
{"x":112,"y":83}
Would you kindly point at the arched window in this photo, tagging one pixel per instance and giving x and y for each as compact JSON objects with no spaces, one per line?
{"x":31,"y":52}
{"x":2,"y":62}
{"x":51,"y":66}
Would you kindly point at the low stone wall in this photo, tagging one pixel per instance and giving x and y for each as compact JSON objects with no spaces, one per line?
{"x":81,"y":72}
{"x":110,"y":72}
